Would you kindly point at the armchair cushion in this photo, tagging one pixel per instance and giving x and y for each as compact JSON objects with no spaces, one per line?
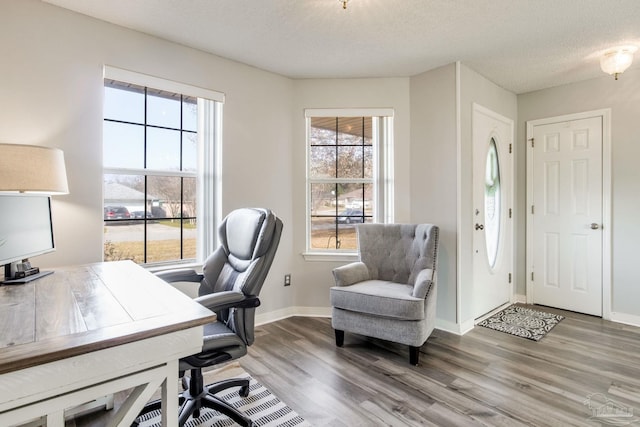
{"x":424,"y":281}
{"x":351,"y":273}
{"x":380,"y":298}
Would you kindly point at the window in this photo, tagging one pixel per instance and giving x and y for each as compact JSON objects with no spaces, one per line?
{"x":492,"y":203}
{"x":158,"y":145}
{"x":348,"y":175}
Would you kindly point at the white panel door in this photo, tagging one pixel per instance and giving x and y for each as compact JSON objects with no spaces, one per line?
{"x":566,"y":215}
{"x":492,"y":137}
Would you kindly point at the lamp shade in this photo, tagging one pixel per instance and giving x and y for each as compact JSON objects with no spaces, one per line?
{"x":31,"y":168}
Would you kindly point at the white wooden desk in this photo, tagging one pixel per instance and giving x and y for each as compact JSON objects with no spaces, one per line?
{"x":89,"y":331}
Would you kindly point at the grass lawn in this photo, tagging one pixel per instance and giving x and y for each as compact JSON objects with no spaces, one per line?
{"x":326,"y":239}
{"x":167,"y":250}
{"x":157,"y":250}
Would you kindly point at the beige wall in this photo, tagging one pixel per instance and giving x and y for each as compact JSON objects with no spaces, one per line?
{"x":52,"y":95}
{"x":434,"y":174}
{"x":52,"y":89}
{"x":623,"y":98}
{"x":312,"y":279}
{"x":441,"y":174}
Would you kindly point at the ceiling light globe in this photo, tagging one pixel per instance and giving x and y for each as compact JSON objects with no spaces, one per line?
{"x":617,"y":60}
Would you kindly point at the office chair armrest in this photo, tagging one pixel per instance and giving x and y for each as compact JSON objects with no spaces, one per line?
{"x":180,"y":275}
{"x":227,"y":299}
{"x":350,"y":273}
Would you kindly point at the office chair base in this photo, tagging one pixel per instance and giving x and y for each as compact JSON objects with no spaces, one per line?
{"x":198,"y":396}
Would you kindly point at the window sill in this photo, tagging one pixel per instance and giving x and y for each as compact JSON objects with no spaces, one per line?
{"x":330,"y":256}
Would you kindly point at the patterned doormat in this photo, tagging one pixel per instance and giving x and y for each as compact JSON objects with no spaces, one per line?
{"x":263,"y":407}
{"x":522,"y":322}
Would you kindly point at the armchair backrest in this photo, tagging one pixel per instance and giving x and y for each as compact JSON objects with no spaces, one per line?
{"x":249,"y":239}
{"x":397,"y":252}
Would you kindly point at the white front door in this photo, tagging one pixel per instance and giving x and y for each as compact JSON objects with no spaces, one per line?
{"x":566,"y":215}
{"x":492,"y":136}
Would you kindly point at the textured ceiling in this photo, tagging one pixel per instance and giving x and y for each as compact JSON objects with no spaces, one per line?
{"x":522,"y":45}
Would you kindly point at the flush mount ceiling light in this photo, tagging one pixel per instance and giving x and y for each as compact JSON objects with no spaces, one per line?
{"x":344,"y":3}
{"x":616,"y":60}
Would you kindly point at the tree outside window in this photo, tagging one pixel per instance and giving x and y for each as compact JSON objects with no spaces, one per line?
{"x":343,"y":178}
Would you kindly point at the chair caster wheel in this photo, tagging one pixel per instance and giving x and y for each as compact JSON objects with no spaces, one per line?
{"x":244,"y":391}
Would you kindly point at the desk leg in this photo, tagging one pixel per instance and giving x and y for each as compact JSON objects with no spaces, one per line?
{"x":144,"y":385}
{"x":170,"y":395}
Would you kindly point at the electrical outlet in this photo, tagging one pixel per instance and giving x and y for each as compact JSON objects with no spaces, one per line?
{"x":287,"y":280}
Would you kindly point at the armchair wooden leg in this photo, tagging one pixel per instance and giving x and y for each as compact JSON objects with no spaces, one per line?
{"x":339,"y":337}
{"x":414,"y":355}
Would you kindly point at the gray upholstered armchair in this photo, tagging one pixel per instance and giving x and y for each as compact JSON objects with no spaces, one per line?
{"x":390,"y":293}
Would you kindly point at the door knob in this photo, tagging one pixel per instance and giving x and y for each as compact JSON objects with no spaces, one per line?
{"x":479,"y":227}
{"x":594,"y":226}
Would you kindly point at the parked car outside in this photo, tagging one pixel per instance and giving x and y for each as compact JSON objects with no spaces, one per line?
{"x":140,"y":215}
{"x":350,"y":215}
{"x":116,"y":212}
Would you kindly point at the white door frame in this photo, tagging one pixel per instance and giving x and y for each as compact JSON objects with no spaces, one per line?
{"x":605,"y":114}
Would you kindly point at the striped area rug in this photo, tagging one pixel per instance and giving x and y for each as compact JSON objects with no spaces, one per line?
{"x":263,"y":407}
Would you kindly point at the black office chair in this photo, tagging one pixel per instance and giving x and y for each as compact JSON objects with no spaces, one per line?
{"x":231,"y":281}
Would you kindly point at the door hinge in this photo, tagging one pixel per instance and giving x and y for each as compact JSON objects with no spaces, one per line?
{"x":510,"y":213}
{"x":532,"y":142}
{"x":509,"y":277}
{"x":532,"y":276}
{"x":510,"y":148}
{"x":532,"y":210}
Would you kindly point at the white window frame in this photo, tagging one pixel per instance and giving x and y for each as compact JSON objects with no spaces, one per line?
{"x":209,"y":170}
{"x":382,"y":130}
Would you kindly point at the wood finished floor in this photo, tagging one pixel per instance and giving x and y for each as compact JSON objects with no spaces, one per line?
{"x":482,"y":378}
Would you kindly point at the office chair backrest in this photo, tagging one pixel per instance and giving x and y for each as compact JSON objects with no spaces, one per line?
{"x":249,"y":239}
{"x":397,"y":252}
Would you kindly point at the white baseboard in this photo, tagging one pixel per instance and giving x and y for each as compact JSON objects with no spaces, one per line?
{"x":454,"y":328}
{"x":443,"y":325}
{"x":627,"y":319}
{"x":518,"y":298}
{"x":447,"y":326}
{"x":466,"y":326}
{"x":272,"y":316}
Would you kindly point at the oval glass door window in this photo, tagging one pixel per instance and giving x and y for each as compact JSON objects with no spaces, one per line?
{"x":492,"y":203}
